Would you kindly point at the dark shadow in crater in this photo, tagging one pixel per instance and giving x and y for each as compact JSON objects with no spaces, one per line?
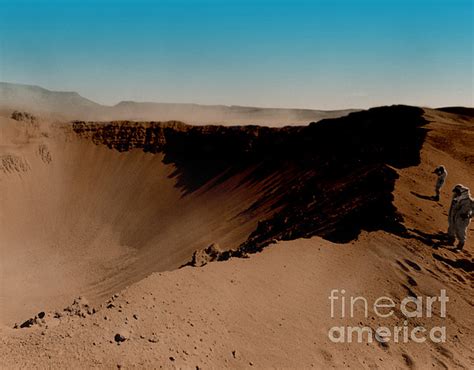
{"x":332,"y":178}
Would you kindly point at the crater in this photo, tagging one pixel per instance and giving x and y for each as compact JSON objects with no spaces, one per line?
{"x":118,"y":201}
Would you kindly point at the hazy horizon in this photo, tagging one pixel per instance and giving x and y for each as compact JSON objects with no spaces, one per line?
{"x":280,"y":54}
{"x":113,"y":104}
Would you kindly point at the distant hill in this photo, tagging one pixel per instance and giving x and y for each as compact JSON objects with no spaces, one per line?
{"x":35,"y":99}
{"x":465,"y":111}
{"x":71,"y":105}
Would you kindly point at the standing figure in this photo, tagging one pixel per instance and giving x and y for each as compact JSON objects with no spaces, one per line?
{"x":442,"y":174}
{"x":460,"y":214}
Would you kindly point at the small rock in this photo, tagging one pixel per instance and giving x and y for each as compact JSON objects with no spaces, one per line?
{"x":27,"y":323}
{"x":121,"y":336}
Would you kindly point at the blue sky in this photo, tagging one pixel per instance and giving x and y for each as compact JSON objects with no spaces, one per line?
{"x":314,"y":54}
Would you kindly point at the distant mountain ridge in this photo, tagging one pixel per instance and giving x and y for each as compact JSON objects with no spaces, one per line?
{"x":71,"y":105}
{"x":465,"y":111}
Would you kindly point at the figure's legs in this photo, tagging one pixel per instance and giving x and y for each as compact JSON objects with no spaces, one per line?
{"x":451,"y":234}
{"x":438,"y":186}
{"x":460,"y":246}
{"x":461,"y":233}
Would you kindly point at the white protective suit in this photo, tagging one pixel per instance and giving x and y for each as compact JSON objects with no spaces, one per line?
{"x":460,"y":214}
{"x":442,"y":174}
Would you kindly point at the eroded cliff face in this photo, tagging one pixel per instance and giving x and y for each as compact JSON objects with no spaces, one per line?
{"x":332,"y":178}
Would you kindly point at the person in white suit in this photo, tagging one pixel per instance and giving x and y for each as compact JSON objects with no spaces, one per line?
{"x":460,"y":214}
{"x":441,"y":172}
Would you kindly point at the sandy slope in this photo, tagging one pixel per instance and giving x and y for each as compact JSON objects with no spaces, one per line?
{"x":272,"y":310}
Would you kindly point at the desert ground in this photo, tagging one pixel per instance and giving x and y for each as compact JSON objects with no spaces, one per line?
{"x":104,"y":227}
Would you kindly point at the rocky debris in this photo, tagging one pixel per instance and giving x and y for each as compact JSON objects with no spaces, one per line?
{"x":44,"y":153}
{"x":153,"y":339}
{"x":29,"y":122}
{"x":27,"y":323}
{"x":121,"y":336}
{"x":203,"y":256}
{"x":10,"y":163}
{"x":41,"y":319}
{"x":110,"y":303}
{"x":80,"y":307}
{"x":213,"y":253}
{"x":23,"y":117}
